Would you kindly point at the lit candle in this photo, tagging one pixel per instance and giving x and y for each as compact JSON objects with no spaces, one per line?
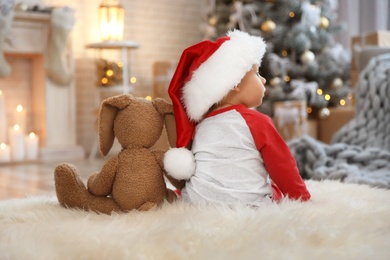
{"x":3,"y":119}
{"x":17,"y":143}
{"x":20,"y":118}
{"x":32,"y":147}
{"x":5,"y":155}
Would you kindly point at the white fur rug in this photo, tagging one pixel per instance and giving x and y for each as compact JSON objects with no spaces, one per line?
{"x":342,"y":221}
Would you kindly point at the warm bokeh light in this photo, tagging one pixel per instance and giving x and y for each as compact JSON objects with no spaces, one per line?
{"x":148,"y":98}
{"x":111,"y":20}
{"x":104,"y":80}
{"x":19,"y":108}
{"x":109,"y":73}
{"x":16,"y":127}
{"x":319,"y":91}
{"x":1,"y":92}
{"x":133,"y":80}
{"x":31,"y":135}
{"x":309,"y":110}
{"x":327,"y":97}
{"x":342,"y":102}
{"x":3,"y":146}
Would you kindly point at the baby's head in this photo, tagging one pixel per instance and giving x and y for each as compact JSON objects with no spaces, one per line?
{"x":207,"y":72}
{"x":249,"y":92}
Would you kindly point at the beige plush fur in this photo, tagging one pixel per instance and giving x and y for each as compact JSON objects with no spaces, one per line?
{"x":341,"y":222}
{"x":133,"y":179}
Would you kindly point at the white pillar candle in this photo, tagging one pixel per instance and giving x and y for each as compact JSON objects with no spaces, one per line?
{"x":16,"y":138}
{"x":20,"y":118}
{"x":5,"y":155}
{"x":32,"y":147}
{"x":3,"y":119}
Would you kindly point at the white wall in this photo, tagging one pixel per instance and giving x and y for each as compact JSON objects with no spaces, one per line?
{"x":163,"y":28}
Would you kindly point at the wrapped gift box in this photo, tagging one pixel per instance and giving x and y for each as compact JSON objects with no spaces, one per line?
{"x":338,"y":117}
{"x":291,"y":120}
{"x":379,"y":39}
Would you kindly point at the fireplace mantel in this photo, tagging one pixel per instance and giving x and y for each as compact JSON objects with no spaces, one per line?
{"x":53,"y":106}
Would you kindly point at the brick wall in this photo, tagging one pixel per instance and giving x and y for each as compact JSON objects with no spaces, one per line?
{"x":162,"y":28}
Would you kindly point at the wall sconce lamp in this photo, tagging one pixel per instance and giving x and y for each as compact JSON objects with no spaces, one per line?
{"x":111,"y":20}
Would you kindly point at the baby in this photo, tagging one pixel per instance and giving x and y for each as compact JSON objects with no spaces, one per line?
{"x":237,"y":156}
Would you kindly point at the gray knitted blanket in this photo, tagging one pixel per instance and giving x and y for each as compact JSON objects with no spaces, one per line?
{"x":360,"y":151}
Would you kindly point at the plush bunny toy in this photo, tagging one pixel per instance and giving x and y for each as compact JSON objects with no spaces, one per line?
{"x":133,"y":179}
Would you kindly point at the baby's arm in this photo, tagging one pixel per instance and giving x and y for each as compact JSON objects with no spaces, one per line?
{"x":278,"y":159}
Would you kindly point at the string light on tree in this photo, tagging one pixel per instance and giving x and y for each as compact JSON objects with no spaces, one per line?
{"x":287,"y":78}
{"x":309,"y":110}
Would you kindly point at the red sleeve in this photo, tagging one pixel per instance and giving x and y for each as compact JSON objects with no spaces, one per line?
{"x":278,"y":160}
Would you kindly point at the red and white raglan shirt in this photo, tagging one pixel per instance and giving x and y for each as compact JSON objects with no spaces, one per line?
{"x":237,"y":151}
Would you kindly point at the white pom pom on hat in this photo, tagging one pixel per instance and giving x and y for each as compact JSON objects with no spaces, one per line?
{"x":179,"y":163}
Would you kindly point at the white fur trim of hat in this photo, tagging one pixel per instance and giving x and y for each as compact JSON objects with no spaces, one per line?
{"x":221,"y":72}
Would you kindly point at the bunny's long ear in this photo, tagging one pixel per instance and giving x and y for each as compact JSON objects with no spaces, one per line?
{"x":108,"y":111}
{"x":166,"y":110}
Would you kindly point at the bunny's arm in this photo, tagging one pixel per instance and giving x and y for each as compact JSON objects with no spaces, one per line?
{"x":159,"y":155}
{"x":100,"y":183}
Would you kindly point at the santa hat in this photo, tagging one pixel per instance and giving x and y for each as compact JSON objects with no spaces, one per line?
{"x":206,"y":72}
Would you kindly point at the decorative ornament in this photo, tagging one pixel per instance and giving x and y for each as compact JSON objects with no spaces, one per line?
{"x":324,"y":113}
{"x":337,"y":83}
{"x":274,"y":81}
{"x":109,"y":73}
{"x":307,"y":57}
{"x":324,"y":22}
{"x":268,"y":26}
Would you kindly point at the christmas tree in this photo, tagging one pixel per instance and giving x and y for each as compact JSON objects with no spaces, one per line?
{"x":303,"y":60}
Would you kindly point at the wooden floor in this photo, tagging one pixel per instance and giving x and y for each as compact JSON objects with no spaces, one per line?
{"x":19,"y":180}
